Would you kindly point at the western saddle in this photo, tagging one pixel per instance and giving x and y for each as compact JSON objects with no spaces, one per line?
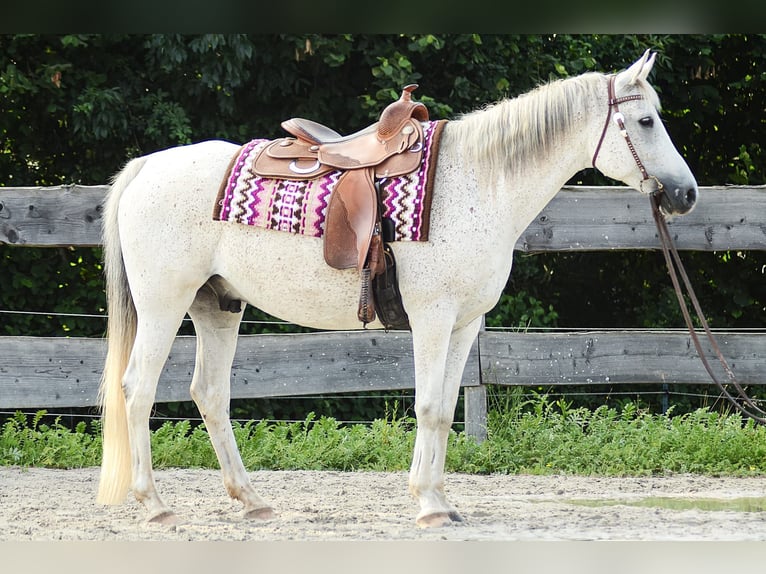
{"x":390,"y":147}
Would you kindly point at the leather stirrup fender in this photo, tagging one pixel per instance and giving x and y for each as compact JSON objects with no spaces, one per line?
{"x":351,"y":217}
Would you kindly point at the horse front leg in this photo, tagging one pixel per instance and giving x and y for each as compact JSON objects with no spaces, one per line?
{"x":440,"y":357}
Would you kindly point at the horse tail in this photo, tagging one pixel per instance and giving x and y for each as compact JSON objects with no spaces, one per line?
{"x":116,"y":468}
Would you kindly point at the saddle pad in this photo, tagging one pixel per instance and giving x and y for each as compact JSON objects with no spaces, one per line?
{"x":301,"y":206}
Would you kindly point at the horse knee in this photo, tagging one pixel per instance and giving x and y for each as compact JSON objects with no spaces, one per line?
{"x":200,"y":399}
{"x":138,"y":400}
{"x":434,"y":416}
{"x":199,"y":391}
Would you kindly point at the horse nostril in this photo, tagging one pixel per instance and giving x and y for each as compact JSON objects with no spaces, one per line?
{"x":691,"y":196}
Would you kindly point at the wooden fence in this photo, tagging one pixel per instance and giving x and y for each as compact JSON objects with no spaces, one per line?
{"x":43,"y":372}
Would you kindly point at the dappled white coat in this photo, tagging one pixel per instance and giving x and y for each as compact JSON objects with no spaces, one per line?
{"x":497,"y":168}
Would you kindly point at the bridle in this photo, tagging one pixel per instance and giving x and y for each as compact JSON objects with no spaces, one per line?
{"x":613,"y":113}
{"x":675,"y":267}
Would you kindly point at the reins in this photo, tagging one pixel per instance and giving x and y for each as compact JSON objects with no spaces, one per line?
{"x":676,"y":268}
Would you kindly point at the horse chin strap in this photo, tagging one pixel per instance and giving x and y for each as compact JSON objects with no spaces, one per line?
{"x":613,"y":112}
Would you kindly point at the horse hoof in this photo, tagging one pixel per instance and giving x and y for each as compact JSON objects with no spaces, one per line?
{"x":454,"y":516}
{"x":435,"y":520}
{"x":264,"y":513}
{"x":164,"y":518}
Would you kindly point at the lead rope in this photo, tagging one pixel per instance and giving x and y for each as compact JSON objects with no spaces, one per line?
{"x":668,"y":250}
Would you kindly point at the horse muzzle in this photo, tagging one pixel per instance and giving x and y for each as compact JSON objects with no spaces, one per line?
{"x":676,"y":197}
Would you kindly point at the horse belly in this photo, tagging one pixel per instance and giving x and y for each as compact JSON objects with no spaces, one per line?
{"x":285,"y":275}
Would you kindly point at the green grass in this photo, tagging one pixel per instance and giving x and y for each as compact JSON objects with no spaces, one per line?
{"x":538,"y":436}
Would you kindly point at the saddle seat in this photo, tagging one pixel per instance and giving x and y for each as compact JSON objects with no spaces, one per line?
{"x":390,"y":147}
{"x":391,"y":121}
{"x":319,"y":134}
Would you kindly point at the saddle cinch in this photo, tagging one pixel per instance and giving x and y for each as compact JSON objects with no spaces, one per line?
{"x":391,"y":147}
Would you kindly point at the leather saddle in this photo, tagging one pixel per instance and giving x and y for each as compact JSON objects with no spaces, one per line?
{"x":390,"y":147}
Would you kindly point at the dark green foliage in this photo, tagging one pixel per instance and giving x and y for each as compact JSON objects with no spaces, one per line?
{"x":59,"y":280}
{"x":29,"y":442}
{"x":541,"y":436}
{"x":74,"y":108}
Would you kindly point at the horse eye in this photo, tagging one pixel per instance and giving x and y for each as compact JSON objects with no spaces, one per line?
{"x":647,"y":122}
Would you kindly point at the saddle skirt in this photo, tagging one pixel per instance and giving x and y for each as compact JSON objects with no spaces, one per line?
{"x":299,"y":205}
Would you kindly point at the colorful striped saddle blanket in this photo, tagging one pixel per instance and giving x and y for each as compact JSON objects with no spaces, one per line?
{"x":300,"y":206}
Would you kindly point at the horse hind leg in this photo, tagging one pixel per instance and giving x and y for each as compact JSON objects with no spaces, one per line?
{"x":157,"y":326}
{"x":217,"y":332}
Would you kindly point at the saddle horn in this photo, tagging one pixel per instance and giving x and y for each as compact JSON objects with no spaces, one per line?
{"x":395,"y":114}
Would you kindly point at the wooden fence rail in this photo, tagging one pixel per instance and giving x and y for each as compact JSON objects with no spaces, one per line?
{"x":578,"y":219}
{"x":51,"y":372}
{"x":42,"y":372}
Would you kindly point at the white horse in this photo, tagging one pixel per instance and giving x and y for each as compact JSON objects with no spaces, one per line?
{"x":497,"y":169}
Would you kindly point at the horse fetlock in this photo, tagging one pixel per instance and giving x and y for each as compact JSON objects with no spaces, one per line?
{"x":255,"y":506}
{"x":434,"y":507}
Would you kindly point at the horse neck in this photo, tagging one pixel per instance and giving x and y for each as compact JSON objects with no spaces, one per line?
{"x":534,"y":184}
{"x":516,"y":187}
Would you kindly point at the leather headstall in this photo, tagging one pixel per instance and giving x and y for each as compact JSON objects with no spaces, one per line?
{"x":614,"y":113}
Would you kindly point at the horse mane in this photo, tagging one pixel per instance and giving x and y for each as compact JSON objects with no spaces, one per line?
{"x":514,"y":131}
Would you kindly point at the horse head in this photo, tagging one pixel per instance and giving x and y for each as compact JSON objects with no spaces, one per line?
{"x":634,"y":146}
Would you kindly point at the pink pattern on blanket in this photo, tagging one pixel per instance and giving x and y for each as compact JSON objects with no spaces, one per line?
{"x":301,"y":206}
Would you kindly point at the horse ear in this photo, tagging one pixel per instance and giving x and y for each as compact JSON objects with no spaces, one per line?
{"x":640,"y":68}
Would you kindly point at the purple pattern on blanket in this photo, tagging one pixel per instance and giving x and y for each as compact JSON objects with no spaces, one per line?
{"x":404,"y":197}
{"x":301,"y":206}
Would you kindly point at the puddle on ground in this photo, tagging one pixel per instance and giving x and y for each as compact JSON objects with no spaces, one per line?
{"x":751,"y":504}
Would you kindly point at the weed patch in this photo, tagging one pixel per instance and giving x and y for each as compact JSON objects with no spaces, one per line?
{"x":533,"y":436}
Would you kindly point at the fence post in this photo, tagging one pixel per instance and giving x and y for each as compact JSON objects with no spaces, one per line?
{"x":476,"y":412}
{"x":475,"y":402}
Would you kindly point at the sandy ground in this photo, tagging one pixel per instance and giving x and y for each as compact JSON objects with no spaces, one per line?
{"x":43,"y":504}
